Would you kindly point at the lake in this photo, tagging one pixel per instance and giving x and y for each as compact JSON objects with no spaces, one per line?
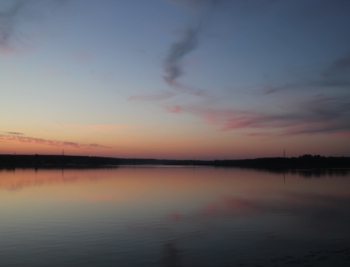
{"x":174,"y":216}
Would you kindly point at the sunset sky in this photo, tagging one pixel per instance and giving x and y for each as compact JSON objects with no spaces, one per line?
{"x":203,"y":79}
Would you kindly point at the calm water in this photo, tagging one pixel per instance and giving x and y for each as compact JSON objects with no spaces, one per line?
{"x":173,"y":216}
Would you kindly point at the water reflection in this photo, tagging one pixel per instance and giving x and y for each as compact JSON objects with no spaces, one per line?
{"x":171,"y":255}
{"x":172,"y":217}
{"x":310,"y":173}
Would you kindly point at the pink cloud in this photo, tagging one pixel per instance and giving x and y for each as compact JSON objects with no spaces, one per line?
{"x":174,"y":109}
{"x":318,"y":115}
{"x":40,"y":141}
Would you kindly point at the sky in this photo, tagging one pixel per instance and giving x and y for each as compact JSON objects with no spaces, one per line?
{"x":182,"y":79}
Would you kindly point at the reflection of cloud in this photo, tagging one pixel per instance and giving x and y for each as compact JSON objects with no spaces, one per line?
{"x":104,"y":198}
{"x":17,"y":183}
{"x":321,"y":211}
{"x":226,"y":206}
{"x":40,"y":141}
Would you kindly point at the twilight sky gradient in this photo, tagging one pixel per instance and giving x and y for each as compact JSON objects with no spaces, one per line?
{"x":200,"y":79}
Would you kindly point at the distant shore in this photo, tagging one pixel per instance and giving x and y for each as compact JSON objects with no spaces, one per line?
{"x":63,"y":161}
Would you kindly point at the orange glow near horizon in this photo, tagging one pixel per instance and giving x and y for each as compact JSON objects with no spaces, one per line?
{"x":152,"y":144}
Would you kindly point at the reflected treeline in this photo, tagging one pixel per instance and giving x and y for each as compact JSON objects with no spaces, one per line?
{"x":274,"y":164}
{"x":318,"y":173}
{"x":308,"y":172}
{"x":305,"y":161}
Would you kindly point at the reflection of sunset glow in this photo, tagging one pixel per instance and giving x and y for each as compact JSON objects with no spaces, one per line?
{"x":186,"y":205}
{"x":236,"y":190}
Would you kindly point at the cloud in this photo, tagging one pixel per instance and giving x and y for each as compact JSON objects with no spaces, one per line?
{"x":320,"y":114}
{"x":187,"y":42}
{"x":95,"y":127}
{"x":174,"y":109}
{"x":163,"y":95}
{"x":13,"y":14}
{"x":8,"y":19}
{"x":195,"y":4}
{"x":340,"y":67}
{"x":178,"y":49}
{"x":99,"y":127}
{"x":40,"y":141}
{"x":14,"y":133}
{"x":337,"y":75}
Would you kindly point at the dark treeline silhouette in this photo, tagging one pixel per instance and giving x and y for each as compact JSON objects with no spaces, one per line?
{"x":276,"y":164}
{"x":54,"y":161}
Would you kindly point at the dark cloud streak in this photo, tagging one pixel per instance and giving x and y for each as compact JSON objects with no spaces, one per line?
{"x":12,"y":16}
{"x":340,"y":66}
{"x":15,"y":133}
{"x":172,"y":63}
{"x":337,"y":75}
{"x":8,"y":19}
{"x":48,"y":142}
{"x":187,"y":42}
{"x":151,"y":97}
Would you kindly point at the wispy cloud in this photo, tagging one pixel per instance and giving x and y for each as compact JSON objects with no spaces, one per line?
{"x":320,"y":114}
{"x":163,"y":95}
{"x":99,"y":127}
{"x":195,"y":4}
{"x":326,"y":113}
{"x":178,"y":49}
{"x":12,"y":14}
{"x":339,"y":69}
{"x":8,"y":19}
{"x":14,"y":133}
{"x":187,"y":42}
{"x":96,"y":127}
{"x":48,"y":142}
{"x":336,"y":75}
